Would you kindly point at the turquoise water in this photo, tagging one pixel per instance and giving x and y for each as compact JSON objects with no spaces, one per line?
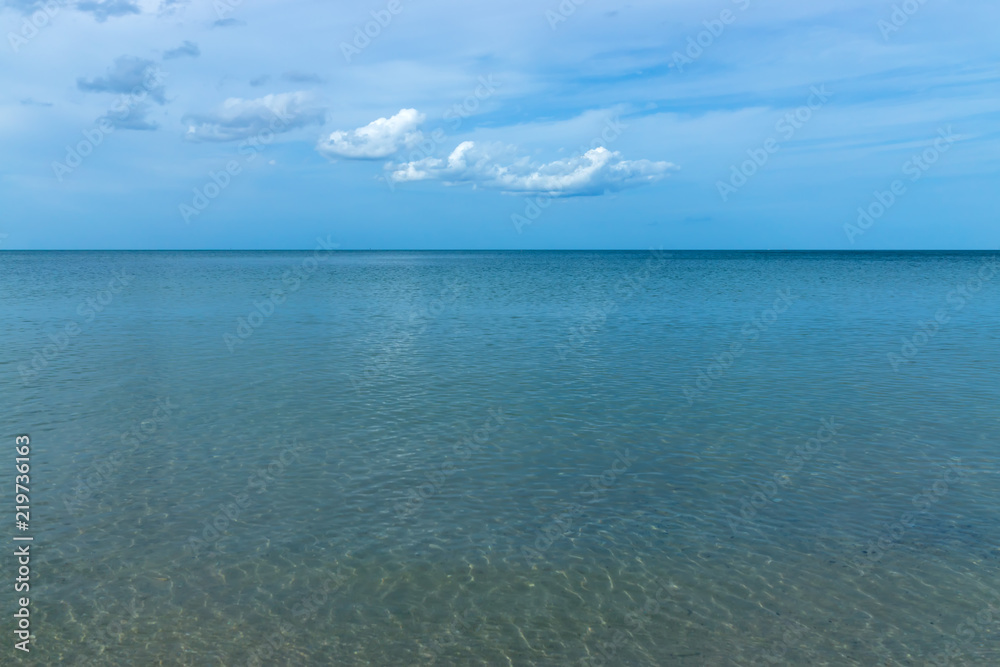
{"x":493,"y":458}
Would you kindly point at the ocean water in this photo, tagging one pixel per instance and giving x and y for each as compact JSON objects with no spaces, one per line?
{"x":505,"y":458}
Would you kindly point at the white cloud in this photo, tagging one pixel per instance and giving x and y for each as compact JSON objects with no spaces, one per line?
{"x":240,"y":119}
{"x":595,"y":172}
{"x":379,"y":138}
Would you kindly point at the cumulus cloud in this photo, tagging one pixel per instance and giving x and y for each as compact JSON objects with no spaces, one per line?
{"x":185,"y":49}
{"x":595,"y":172}
{"x":378,"y":139}
{"x":130,"y":75}
{"x":106,"y":8}
{"x":240,"y":119}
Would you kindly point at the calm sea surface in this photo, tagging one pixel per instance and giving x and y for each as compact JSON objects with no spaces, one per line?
{"x":505,"y":458}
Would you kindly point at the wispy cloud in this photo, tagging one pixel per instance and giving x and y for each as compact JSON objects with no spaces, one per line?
{"x":132,"y":117}
{"x":228,"y":23}
{"x":240,"y":118}
{"x":186,"y":49}
{"x":104,"y":9}
{"x":302,"y":77}
{"x":25,"y":6}
{"x":128,"y":74}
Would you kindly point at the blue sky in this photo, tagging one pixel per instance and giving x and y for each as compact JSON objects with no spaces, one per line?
{"x":681,"y":124}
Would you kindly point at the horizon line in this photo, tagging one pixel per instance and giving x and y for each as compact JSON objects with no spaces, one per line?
{"x":788,"y":250}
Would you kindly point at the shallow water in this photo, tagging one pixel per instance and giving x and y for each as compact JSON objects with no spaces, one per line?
{"x":507,"y":457}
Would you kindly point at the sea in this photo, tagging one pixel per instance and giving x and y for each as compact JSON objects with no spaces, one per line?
{"x":648,"y":457}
